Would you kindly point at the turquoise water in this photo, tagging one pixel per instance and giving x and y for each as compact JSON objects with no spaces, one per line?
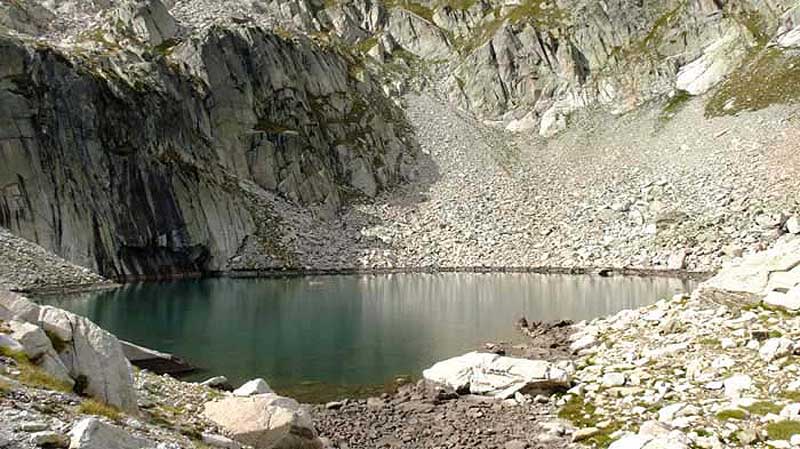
{"x":337,"y":333}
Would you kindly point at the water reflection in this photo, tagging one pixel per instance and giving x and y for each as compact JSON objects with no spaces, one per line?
{"x":359,"y":329}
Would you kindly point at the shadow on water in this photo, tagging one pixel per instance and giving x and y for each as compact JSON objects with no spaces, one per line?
{"x":322,"y":337}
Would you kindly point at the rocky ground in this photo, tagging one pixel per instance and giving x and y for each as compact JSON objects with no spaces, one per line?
{"x":634,"y":191}
{"x":25,"y":266}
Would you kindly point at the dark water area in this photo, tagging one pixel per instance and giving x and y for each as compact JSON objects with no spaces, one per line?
{"x":320,"y":337}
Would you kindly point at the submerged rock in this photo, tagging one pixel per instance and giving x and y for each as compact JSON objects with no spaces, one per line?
{"x":497,"y":376}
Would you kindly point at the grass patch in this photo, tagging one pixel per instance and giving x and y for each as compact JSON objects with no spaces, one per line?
{"x":793,"y":396}
{"x":367,"y":44}
{"x":709,"y":341}
{"x":541,"y":13}
{"x":762,"y":408}
{"x":33,"y":376}
{"x":766,"y":77}
{"x":783,"y":430}
{"x":733,"y":413}
{"x":96,"y":408}
{"x":582,"y":414}
{"x":459,"y":5}
{"x":675,"y":104}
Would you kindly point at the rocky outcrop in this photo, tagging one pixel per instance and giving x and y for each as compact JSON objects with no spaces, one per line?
{"x":39,"y":349}
{"x":90,"y":355}
{"x":497,"y":376}
{"x":264,"y":421}
{"x":771,"y":276}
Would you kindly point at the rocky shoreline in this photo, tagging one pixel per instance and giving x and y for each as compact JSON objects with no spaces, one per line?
{"x":712,"y":370}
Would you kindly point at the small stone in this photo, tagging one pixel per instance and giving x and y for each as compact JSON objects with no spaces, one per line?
{"x":668,"y":413}
{"x":334,"y":405}
{"x":613,"y":379}
{"x":217,"y":382}
{"x":793,"y":227}
{"x":584,"y":342}
{"x":747,"y":436}
{"x":33,"y":426}
{"x":49,"y":439}
{"x":735,"y":385}
{"x":516,"y":444}
{"x":585,"y":433}
{"x":775,"y":348}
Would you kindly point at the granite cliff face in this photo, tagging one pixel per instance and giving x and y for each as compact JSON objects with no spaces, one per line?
{"x":148,"y":139}
{"x":145,"y":161}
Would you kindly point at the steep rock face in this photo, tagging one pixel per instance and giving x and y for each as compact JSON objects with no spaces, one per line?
{"x":161,"y":162}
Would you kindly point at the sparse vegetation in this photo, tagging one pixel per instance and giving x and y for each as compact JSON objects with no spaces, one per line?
{"x":766,"y":77}
{"x":674,"y":104}
{"x":733,"y":413}
{"x":709,"y":341}
{"x":783,"y":430}
{"x":33,"y":376}
{"x":93,"y":407}
{"x":582,"y":414}
{"x":762,"y":408}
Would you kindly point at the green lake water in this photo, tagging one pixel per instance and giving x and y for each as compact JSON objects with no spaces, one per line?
{"x":321,"y":337}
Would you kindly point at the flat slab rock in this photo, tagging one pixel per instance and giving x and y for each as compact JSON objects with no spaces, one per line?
{"x":497,"y":376}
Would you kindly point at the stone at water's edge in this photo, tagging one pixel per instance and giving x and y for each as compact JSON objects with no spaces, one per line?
{"x":88,"y":351}
{"x":265,"y":421}
{"x":253,"y":387}
{"x":498,"y":376}
{"x":772,"y":275}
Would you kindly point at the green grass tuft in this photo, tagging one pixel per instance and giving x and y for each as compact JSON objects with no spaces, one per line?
{"x":733,"y":413}
{"x":33,"y":376}
{"x":762,"y":408}
{"x":96,"y":408}
{"x":783,"y":430}
{"x":767,"y":77}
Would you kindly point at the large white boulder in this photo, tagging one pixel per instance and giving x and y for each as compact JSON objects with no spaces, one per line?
{"x":497,"y":376}
{"x":91,"y":433}
{"x":264,"y":421}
